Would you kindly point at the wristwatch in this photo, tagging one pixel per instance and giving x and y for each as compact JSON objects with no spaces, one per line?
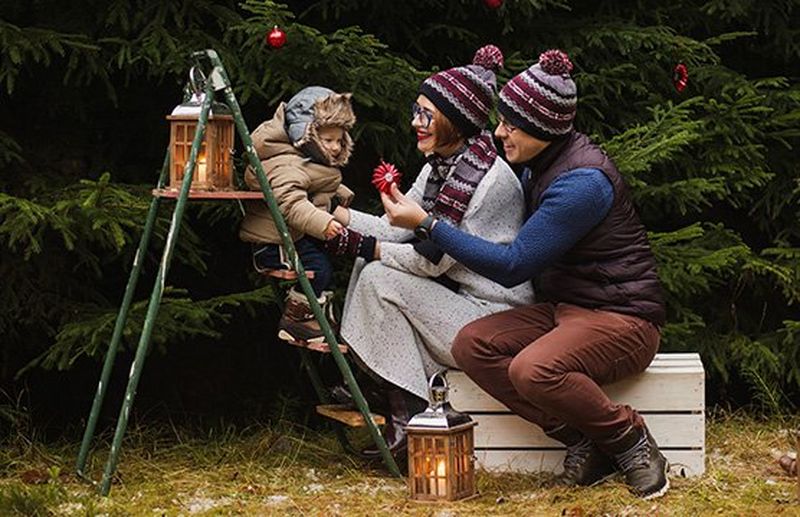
{"x":423,"y":230}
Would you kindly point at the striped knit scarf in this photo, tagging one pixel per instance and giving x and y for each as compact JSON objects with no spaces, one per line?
{"x":447,"y":194}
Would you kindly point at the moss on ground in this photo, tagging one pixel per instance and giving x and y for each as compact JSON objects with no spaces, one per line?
{"x":293,"y":471}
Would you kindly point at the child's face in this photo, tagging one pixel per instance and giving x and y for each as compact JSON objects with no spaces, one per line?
{"x":332,"y":140}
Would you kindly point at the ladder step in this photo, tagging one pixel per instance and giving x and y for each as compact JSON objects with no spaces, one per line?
{"x":284,"y":274}
{"x":347,"y":415}
{"x":315,"y":346}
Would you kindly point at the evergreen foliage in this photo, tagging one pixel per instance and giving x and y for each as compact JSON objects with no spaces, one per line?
{"x":713,"y":169}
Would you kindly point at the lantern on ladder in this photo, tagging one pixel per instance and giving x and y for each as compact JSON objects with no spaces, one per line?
{"x":214,"y":167}
{"x":441,"y":460}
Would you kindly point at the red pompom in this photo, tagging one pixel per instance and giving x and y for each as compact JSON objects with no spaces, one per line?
{"x":489,"y":57}
{"x":493,"y":4}
{"x":680,"y":77}
{"x":384,"y":175}
{"x":555,"y":62}
{"x":276,"y":38}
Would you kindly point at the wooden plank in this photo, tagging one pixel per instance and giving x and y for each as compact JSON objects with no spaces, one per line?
{"x":284,"y":274}
{"x":508,"y":430}
{"x":347,"y":415}
{"x":209,"y":194}
{"x":683,"y":463}
{"x":669,"y":384}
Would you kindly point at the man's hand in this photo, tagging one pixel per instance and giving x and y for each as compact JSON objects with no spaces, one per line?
{"x":333,"y":229}
{"x":401,"y":211}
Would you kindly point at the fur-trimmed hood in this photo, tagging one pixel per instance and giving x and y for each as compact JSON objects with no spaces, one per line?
{"x":315,"y":107}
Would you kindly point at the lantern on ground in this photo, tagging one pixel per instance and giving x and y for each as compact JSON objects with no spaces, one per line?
{"x":214,"y":167}
{"x":441,"y":460}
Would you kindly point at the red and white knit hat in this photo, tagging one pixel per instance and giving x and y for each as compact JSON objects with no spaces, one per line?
{"x":543,"y":99}
{"x":465,"y":94}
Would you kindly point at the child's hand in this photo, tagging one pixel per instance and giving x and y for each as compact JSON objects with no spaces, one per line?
{"x":333,"y":229}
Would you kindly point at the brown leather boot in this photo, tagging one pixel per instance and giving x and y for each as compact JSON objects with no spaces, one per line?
{"x":585,"y":464}
{"x":402,"y":406}
{"x":297,"y":323}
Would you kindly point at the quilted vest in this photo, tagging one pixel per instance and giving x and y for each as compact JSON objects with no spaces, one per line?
{"x":612,"y":267}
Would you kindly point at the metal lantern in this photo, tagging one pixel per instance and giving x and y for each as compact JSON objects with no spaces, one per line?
{"x":441,"y":460}
{"x":214,"y":167}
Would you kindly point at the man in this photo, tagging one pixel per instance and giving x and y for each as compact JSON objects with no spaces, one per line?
{"x":600,"y":303}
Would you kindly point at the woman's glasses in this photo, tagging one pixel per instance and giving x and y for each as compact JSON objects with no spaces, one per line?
{"x":425,"y":115}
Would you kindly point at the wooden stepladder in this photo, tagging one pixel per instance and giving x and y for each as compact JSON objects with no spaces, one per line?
{"x":213,"y":79}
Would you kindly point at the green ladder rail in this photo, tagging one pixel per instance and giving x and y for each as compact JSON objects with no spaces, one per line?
{"x":216,"y":80}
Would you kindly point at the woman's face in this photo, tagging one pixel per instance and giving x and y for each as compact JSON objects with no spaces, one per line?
{"x":422,"y":113}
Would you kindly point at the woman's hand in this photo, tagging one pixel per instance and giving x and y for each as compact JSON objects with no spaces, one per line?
{"x":400,"y":210}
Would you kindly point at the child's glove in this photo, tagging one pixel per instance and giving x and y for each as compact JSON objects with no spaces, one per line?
{"x":351,"y":242}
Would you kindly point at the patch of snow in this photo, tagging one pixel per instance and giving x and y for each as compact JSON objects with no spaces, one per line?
{"x":69,"y":508}
{"x":277,"y":500}
{"x":314,"y":488}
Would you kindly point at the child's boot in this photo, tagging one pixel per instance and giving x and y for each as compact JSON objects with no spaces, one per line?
{"x":297,"y":322}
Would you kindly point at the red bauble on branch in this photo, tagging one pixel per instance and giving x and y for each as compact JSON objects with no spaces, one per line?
{"x":680,"y":77}
{"x":276,"y":38}
{"x":384,"y":175}
{"x":493,"y":4}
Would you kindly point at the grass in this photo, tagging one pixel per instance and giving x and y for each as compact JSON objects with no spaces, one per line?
{"x":294,"y":471}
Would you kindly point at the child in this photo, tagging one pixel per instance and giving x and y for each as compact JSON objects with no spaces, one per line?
{"x":301,"y":149}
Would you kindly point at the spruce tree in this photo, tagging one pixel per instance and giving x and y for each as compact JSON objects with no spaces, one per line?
{"x":712,"y":168}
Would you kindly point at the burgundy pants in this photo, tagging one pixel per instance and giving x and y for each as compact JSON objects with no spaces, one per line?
{"x":546,"y":363}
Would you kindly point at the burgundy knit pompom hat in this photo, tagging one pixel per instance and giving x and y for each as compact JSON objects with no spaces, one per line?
{"x":465,"y":94}
{"x":542,"y":100}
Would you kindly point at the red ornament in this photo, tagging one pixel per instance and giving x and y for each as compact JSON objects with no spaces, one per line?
{"x":276,"y":38}
{"x":384,"y":175}
{"x":680,"y":77}
{"x":493,"y":4}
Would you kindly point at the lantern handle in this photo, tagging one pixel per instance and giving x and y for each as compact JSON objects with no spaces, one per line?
{"x":197,"y":79}
{"x":438,"y":394}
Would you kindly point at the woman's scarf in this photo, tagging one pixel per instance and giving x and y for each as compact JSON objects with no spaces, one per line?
{"x":453,"y":180}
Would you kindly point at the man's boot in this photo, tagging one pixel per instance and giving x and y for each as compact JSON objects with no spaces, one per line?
{"x":402,"y":406}
{"x":297,"y":322}
{"x":638,"y":458}
{"x":585,"y":464}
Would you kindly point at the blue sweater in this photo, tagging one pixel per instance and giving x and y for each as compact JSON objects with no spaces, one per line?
{"x":570,"y":207}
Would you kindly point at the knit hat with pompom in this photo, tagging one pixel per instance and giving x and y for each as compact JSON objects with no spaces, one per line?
{"x":465,"y":94}
{"x":542,"y":100}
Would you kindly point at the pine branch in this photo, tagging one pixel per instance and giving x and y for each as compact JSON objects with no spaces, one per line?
{"x":180,"y":318}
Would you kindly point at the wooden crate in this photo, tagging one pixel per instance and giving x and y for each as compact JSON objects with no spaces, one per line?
{"x":670,"y":395}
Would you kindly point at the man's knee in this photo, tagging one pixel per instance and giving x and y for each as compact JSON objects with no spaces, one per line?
{"x":465,"y":344}
{"x":531,"y":379}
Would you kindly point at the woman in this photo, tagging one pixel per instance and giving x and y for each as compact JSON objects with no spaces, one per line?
{"x":404,"y":308}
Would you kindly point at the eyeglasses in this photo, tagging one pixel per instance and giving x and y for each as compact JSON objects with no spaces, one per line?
{"x":425,"y":115}
{"x":507,"y":127}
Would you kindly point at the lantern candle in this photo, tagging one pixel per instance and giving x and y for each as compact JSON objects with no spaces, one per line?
{"x":201,"y":167}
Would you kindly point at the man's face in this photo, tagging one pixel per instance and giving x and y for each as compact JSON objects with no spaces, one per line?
{"x":519,"y":146}
{"x":332,"y":140}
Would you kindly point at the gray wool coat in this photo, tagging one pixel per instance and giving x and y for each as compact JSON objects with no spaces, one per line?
{"x":397,"y":319}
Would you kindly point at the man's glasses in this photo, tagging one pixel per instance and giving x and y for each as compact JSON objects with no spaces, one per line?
{"x":425,"y":115}
{"x":506,"y":125}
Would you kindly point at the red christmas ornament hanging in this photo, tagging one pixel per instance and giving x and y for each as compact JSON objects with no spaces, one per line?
{"x":384,"y":175}
{"x":276,"y":37}
{"x":493,"y":4}
{"x":680,"y":77}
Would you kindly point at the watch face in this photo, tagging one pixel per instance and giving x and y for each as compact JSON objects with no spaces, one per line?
{"x":421,"y":233}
